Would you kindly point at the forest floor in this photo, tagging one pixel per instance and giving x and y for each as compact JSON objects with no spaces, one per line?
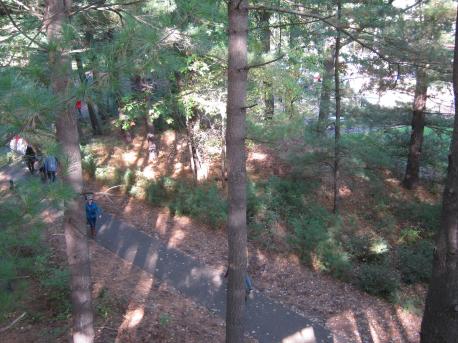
{"x":119,"y":287}
{"x":351,"y":315}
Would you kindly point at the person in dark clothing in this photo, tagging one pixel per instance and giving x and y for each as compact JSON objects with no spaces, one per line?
{"x":30,"y":159}
{"x":50,"y":166}
{"x":248,"y":285}
{"x":92,"y":212}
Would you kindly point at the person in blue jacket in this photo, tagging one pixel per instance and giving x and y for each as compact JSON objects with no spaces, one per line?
{"x":92,"y":212}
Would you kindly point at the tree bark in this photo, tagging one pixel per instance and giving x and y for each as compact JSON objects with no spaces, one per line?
{"x":67,"y":136}
{"x":418,"y":125}
{"x":325,"y":97}
{"x":150,"y":133}
{"x":337,"y":125}
{"x":195,"y":159}
{"x":236,"y":163}
{"x":269,"y":101}
{"x":90,"y":108}
{"x":440,"y":320}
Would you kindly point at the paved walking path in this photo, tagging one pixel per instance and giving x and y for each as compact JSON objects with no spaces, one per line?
{"x":267,"y":321}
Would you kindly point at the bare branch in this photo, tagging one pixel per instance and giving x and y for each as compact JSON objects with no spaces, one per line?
{"x":249,"y":106}
{"x":13,"y":322}
{"x":263,"y":64}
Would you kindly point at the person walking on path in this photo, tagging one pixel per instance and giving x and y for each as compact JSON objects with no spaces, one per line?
{"x":248,"y":285}
{"x":50,"y":166}
{"x":30,"y":158}
{"x":92,"y":212}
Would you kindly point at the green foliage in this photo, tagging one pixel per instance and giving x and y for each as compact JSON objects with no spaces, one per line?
{"x":88,"y":162}
{"x":104,"y":304}
{"x":156,"y":192}
{"x":131,"y":110}
{"x":164,"y":319}
{"x":378,"y":279}
{"x":314,"y":240}
{"x":410,"y":235}
{"x":56,"y":283}
{"x":415,"y":262}
{"x":204,"y":203}
{"x":128,"y":179}
{"x":425,"y":217}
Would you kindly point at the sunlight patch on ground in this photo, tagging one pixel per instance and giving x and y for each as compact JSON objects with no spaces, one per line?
{"x":258,"y":156}
{"x":136,"y":309}
{"x":374,"y":328}
{"x":407,"y":319}
{"x":178,"y":167}
{"x":345,"y":327}
{"x":211,"y":275}
{"x":176,"y":238}
{"x":149,"y":172}
{"x":344,"y":191}
{"x":129,"y":157}
{"x":161,"y":222}
{"x":261,"y":256}
{"x":306,"y":335}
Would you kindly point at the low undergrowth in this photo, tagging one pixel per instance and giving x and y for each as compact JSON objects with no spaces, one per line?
{"x":380,"y":244}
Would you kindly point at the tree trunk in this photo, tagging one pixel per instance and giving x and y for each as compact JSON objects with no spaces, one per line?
{"x":337,"y":125}
{"x":150,"y":133}
{"x":236,"y":160}
{"x":92,"y":116}
{"x":418,"y":125}
{"x":325,"y":97}
{"x":269,"y":101}
{"x":195,"y":159}
{"x":67,"y":135}
{"x":440,"y":320}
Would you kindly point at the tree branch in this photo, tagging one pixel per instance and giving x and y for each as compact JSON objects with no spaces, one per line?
{"x":263,"y":64}
{"x":249,"y":106}
{"x":18,"y":28}
{"x":13,"y":322}
{"x":338,"y":28}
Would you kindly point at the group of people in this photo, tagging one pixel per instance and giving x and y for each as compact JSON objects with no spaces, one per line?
{"x":46,"y":166}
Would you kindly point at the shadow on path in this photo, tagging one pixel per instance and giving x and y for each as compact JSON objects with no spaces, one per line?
{"x":267,"y":321}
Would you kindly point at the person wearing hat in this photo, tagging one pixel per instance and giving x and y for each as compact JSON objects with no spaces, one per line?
{"x":92,"y":212}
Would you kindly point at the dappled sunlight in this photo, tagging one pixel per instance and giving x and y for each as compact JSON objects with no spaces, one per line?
{"x":257,"y":156}
{"x":306,"y":335}
{"x":176,"y":238}
{"x":136,"y":309}
{"x":177,"y":169}
{"x":129,"y":157}
{"x":344,"y":191}
{"x":149,"y":172}
{"x":344,"y":327}
{"x":406,"y":321}
{"x":162,"y":222}
{"x":210,"y":275}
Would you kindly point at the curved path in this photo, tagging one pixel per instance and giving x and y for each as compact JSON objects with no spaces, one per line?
{"x":267,"y":321}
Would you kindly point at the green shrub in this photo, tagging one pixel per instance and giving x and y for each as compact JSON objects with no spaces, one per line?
{"x":366,"y":249}
{"x":56,"y":284}
{"x":410,"y":235}
{"x":359,"y":247}
{"x":312,"y":237}
{"x":378,"y":279}
{"x":203,"y":202}
{"x":156,"y":192}
{"x":415,"y":262}
{"x":425,"y":217}
{"x":89,"y":163}
{"x":128,"y":180}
